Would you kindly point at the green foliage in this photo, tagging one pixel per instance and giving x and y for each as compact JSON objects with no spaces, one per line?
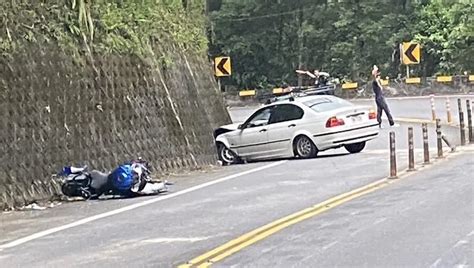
{"x":268,"y":40}
{"x":106,"y":26}
{"x":139,"y":25}
{"x":447,"y":33}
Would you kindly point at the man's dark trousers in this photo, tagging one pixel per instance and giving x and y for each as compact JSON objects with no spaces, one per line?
{"x":382,"y":106}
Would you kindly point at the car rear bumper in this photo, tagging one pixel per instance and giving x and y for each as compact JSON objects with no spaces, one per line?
{"x":346,"y":136}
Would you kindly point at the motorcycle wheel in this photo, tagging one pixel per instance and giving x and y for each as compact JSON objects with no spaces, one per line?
{"x":69,"y":190}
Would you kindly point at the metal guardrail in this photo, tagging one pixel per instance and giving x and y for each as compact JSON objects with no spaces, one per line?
{"x":359,"y":87}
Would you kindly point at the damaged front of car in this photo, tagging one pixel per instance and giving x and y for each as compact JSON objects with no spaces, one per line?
{"x":225,"y":154}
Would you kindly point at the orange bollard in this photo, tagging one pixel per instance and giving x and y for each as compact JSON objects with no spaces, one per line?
{"x":448,"y":111}
{"x":393,"y":157}
{"x":411,"y":149}
{"x":439,"y":138}
{"x":461,"y":123}
{"x":426,"y":150}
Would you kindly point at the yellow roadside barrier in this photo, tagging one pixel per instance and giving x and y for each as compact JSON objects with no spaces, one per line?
{"x":349,"y":85}
{"x":246,"y":93}
{"x":413,"y":80}
{"x":278,"y":90}
{"x":444,"y":79}
{"x":471,"y":78}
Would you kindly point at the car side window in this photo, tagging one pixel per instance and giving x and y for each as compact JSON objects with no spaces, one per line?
{"x":260,"y":118}
{"x":286,"y":112}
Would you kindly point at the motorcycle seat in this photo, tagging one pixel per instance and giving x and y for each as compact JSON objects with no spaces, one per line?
{"x":97,"y":175}
{"x":99,"y":180}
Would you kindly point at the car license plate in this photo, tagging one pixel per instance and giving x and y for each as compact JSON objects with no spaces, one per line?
{"x":356,"y":119}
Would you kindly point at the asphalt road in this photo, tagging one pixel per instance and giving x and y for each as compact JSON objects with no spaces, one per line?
{"x":423,"y":219}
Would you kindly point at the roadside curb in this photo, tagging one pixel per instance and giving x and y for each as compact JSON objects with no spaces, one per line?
{"x":416,"y":97}
{"x":421,"y":121}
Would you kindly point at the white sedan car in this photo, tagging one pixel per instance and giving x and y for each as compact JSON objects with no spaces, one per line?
{"x":297,"y":127}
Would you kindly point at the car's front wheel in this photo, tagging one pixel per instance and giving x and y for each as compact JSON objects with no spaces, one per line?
{"x":355,"y":147}
{"x":305,"y":148}
{"x":226,"y":155}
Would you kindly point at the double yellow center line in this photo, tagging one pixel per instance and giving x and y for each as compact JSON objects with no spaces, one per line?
{"x":233,"y":246}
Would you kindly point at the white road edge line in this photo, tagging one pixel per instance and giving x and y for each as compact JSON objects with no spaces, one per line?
{"x":34,"y":236}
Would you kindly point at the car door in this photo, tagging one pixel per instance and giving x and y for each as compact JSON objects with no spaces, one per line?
{"x":284,"y":122}
{"x":251,"y":141}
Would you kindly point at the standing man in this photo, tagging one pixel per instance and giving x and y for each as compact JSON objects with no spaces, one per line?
{"x":379,"y":98}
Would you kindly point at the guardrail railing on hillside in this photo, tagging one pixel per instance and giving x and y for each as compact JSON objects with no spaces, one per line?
{"x":401,"y":86}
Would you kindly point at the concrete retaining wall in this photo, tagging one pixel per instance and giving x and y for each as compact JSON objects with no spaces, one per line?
{"x":56,"y":111}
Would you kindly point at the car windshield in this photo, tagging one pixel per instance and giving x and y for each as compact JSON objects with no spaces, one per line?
{"x":326,"y":104}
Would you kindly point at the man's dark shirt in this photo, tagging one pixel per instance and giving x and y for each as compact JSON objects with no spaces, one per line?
{"x":377,"y":90}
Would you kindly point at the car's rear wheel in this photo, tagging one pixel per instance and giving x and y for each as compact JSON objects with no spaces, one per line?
{"x":226,"y":155}
{"x":305,"y":148}
{"x":355,"y":147}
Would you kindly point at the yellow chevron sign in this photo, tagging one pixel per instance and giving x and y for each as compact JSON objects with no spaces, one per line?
{"x":410,"y":53}
{"x":222,"y":66}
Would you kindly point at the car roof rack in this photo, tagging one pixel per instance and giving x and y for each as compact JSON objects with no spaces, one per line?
{"x":297,"y":92}
{"x":317,"y":90}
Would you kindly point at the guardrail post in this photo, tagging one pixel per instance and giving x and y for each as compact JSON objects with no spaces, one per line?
{"x":469,"y":120}
{"x":461,"y":123}
{"x":411,"y":153}
{"x":393,"y":156}
{"x":448,"y":111}
{"x":439,"y":138}
{"x":433,"y":111}
{"x":426,"y":150}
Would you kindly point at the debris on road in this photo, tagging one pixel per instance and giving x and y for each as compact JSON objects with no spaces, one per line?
{"x":36,"y":206}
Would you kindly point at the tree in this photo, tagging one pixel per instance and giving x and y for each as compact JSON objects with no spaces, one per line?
{"x":447,"y":35}
{"x":268,"y":40}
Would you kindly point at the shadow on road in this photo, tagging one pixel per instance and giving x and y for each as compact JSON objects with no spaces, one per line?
{"x":297,"y":159}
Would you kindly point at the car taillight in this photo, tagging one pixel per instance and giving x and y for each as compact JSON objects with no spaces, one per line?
{"x":334,"y":122}
{"x":372,"y":114}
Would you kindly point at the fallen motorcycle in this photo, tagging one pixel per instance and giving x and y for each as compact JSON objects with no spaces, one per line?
{"x":130,"y":179}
